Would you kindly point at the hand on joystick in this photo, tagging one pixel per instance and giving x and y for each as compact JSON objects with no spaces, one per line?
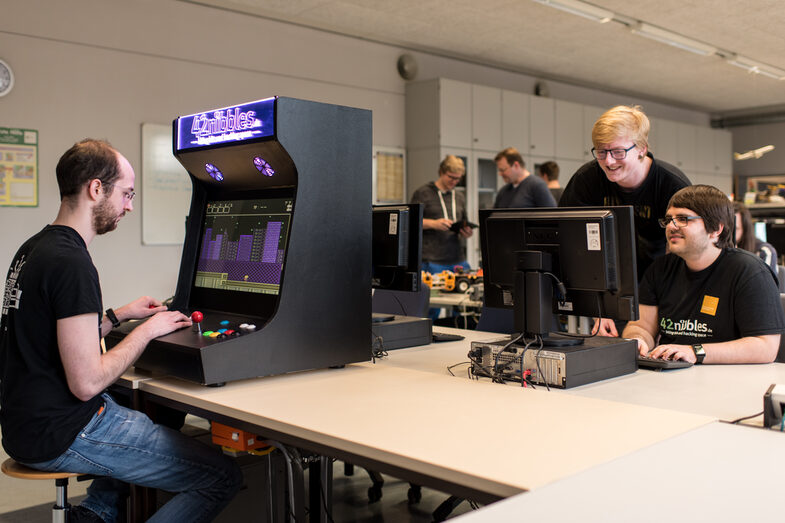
{"x":197,"y":318}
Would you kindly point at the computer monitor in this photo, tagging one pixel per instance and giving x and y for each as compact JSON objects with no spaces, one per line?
{"x":241,"y":254}
{"x":397,"y":247}
{"x":590,"y":251}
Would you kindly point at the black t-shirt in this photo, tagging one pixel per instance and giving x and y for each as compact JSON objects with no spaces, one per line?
{"x":589,"y":186}
{"x":51,"y":277}
{"x":734,"y":297}
{"x":441,"y":246}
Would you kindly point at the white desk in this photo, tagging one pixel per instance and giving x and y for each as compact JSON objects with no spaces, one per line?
{"x":473,"y":439}
{"x":454,"y":299}
{"x":717,"y":472}
{"x":724,"y":392}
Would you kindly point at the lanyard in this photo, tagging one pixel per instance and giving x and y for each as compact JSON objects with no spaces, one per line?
{"x":444,"y":207}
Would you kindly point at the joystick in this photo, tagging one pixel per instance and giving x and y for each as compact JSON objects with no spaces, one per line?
{"x":197,"y":318}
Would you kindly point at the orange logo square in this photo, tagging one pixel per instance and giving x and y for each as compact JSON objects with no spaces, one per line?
{"x":710,"y":305}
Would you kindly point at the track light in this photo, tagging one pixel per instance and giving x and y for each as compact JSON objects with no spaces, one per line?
{"x":674,"y":39}
{"x":579,"y":8}
{"x":754,"y":67}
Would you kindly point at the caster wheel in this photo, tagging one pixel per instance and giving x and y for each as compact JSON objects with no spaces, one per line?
{"x":374,"y":494}
{"x":414,"y":494}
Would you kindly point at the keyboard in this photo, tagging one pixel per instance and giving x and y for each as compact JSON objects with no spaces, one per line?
{"x":445,"y":336}
{"x":659,"y":364}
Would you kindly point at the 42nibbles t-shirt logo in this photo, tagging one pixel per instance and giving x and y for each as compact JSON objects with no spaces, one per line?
{"x":692,"y":328}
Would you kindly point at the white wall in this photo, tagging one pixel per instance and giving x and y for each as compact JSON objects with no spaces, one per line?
{"x":101,"y":68}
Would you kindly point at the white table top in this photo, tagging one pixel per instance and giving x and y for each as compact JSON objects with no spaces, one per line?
{"x":725,"y":392}
{"x":454,"y":299}
{"x":494,"y":439}
{"x":717,"y":472}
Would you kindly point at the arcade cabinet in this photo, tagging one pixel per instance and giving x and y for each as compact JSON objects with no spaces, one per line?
{"x":277,"y":255}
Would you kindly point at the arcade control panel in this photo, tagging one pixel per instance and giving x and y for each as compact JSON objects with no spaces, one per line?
{"x":208,"y":328}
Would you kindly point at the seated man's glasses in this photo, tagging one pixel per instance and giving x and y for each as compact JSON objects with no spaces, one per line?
{"x":616,"y":154}
{"x":680,"y":220}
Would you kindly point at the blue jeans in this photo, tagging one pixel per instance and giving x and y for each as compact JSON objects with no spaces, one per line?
{"x":123,"y":444}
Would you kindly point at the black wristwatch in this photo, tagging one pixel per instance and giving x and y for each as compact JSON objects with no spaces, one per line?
{"x":699,"y":351}
{"x":113,"y":318}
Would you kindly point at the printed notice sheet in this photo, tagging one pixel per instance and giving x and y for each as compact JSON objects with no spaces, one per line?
{"x":18,"y":167}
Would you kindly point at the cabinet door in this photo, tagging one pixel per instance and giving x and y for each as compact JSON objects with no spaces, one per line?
{"x":486,"y":118}
{"x":665,"y":143}
{"x":686,"y":147}
{"x":723,"y":152}
{"x":704,"y":150}
{"x":591,"y":114}
{"x":541,"y":127}
{"x":515,"y":121}
{"x":568,"y":136}
{"x":455,"y":115}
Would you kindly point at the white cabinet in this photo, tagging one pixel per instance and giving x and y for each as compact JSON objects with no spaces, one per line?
{"x":568,"y":136}
{"x":664,"y":140}
{"x":542,"y":127}
{"x":723,"y":152}
{"x":686,"y":141}
{"x":486,"y":118}
{"x":590,"y":115}
{"x":455,"y":102}
{"x":704,"y":150}
{"x":515,"y":121}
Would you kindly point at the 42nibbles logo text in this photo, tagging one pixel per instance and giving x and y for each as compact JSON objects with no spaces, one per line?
{"x":691,"y":328}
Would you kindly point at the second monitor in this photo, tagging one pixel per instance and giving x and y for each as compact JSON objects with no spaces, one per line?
{"x":585,"y":254}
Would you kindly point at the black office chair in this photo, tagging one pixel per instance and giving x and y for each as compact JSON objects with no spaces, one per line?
{"x":402,"y":303}
{"x":781,"y":277}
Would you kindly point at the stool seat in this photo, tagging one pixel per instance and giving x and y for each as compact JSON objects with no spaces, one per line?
{"x":11,"y":468}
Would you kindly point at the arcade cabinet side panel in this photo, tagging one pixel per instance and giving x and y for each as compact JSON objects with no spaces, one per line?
{"x":324,"y":311}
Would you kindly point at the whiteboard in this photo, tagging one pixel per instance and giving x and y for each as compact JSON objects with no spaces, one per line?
{"x":166,"y":188}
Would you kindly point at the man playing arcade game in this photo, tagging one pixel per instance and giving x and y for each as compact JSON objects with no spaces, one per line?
{"x":55,"y":413}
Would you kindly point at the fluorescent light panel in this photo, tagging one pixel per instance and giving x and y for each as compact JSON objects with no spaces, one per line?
{"x":752,"y":66}
{"x":674,"y":39}
{"x":579,"y":8}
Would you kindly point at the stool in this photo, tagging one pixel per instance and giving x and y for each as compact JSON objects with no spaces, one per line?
{"x":61,"y":506}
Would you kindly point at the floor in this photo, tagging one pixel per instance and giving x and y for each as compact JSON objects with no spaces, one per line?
{"x":24,"y":501}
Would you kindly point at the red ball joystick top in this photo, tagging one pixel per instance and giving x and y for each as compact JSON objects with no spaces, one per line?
{"x":197,"y":317}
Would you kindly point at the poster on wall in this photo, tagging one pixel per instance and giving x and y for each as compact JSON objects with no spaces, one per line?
{"x":18,"y":167}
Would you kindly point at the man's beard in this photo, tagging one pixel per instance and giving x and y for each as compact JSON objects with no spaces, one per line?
{"x":104,"y":219}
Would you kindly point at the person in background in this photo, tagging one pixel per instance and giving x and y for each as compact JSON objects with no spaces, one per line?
{"x":624,"y":172}
{"x":521,"y":189}
{"x":445,"y":225}
{"x":549,"y":171}
{"x":746,"y":239}
{"x":707,"y":301}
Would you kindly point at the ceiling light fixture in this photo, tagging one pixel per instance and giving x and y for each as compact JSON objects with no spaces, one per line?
{"x":751,"y":66}
{"x":674,"y":39}
{"x":579,"y":8}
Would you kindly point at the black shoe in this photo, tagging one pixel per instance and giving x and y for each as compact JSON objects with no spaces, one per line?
{"x":80,"y":514}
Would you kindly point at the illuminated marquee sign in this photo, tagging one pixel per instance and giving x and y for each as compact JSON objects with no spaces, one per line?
{"x":229,"y":124}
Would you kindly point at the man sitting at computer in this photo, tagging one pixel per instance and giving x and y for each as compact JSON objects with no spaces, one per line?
{"x":707,"y":301}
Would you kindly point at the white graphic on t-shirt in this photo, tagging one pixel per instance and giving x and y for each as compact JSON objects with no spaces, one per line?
{"x":13,"y":294}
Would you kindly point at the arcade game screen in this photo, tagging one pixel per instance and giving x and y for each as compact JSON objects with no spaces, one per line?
{"x":243,"y":244}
